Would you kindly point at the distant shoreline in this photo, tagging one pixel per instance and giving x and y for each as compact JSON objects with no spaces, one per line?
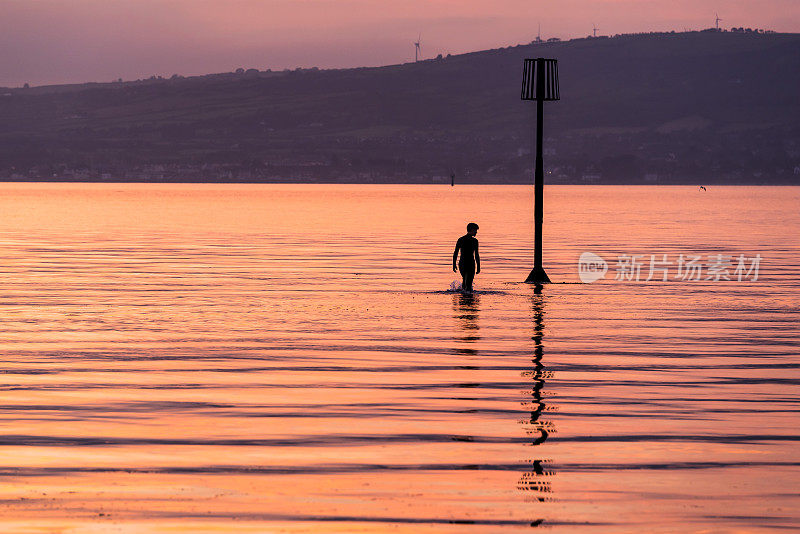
{"x":436,"y":184}
{"x":634,"y":110}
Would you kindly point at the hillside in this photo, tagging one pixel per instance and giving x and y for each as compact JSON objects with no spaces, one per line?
{"x":651,"y":108}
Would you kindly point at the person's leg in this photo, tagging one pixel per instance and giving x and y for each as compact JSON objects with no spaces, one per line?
{"x":467,"y":275}
{"x":470,"y":277}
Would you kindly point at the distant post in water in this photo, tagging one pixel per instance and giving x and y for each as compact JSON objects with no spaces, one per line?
{"x":540,"y":83}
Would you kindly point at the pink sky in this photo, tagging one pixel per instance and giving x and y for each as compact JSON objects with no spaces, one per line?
{"x":61,"y":41}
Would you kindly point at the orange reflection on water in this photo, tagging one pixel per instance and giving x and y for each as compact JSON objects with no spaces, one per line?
{"x":234,"y":358}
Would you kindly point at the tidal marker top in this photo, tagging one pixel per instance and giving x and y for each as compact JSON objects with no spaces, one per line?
{"x":530,"y":89}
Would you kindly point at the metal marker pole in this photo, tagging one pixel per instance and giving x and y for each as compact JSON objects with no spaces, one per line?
{"x":537,"y":275}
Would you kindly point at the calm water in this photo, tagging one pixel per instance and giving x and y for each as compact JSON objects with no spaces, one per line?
{"x":285,"y":358}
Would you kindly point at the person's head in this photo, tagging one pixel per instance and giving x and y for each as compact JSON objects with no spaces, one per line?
{"x":472,"y":229}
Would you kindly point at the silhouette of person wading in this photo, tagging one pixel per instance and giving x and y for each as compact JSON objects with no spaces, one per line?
{"x":470,"y":263}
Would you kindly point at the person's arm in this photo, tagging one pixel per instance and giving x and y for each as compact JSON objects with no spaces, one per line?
{"x":455,"y":255}
{"x":477,"y":259}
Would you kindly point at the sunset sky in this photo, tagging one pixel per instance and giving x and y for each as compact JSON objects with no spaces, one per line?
{"x":64,"y":41}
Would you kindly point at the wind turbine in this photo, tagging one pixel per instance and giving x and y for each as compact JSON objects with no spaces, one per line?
{"x":718,"y":20}
{"x":594,"y":29}
{"x":417,"y":49}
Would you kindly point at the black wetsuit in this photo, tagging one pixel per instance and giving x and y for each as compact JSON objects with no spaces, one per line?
{"x":468,"y":261}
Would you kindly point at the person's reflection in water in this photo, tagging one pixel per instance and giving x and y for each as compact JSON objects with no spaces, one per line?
{"x":465,"y":311}
{"x":537,"y":481}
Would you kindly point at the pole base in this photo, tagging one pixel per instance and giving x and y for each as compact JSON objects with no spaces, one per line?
{"x":537,"y":276}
